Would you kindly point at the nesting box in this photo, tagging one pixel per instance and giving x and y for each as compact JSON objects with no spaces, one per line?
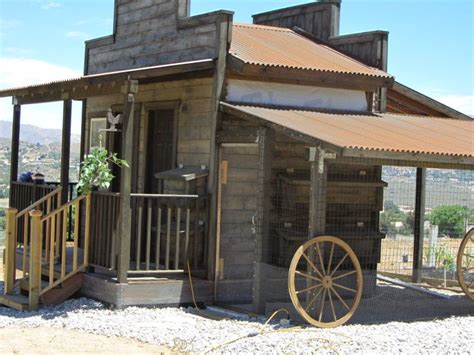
{"x":183,"y":181}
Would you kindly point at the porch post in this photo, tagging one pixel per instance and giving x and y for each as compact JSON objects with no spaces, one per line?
{"x":418,"y":228}
{"x":15,"y":147}
{"x":264,"y":136}
{"x":66,"y":149}
{"x":317,"y":195}
{"x":125,"y":218}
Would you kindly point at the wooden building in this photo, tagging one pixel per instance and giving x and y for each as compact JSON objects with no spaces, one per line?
{"x":244,"y":141}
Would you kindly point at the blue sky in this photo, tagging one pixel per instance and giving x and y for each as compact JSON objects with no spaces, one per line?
{"x":430,"y":43}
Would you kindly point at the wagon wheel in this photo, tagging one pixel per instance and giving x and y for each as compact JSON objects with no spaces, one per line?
{"x":465,"y":264}
{"x":325,"y":281}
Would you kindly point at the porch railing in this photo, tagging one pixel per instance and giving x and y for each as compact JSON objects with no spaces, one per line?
{"x":167,"y":231}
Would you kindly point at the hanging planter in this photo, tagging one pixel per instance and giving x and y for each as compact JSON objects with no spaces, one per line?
{"x":95,"y":172}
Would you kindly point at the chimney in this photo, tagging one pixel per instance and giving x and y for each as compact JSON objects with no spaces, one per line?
{"x":321,"y":18}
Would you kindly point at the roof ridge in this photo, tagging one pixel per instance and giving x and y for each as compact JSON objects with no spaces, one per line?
{"x":263,"y":27}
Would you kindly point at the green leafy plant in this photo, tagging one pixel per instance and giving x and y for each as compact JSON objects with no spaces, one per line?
{"x":450,"y":219}
{"x":95,"y":170}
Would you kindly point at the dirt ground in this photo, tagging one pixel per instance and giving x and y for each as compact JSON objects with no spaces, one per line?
{"x":45,"y":340}
{"x":60,"y":341}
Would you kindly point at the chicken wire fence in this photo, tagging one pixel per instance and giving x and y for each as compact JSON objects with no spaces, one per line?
{"x":449,"y":214}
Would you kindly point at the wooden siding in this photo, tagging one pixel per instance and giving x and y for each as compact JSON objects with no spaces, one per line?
{"x":193,"y":101}
{"x":319,"y":19}
{"x":154,"y":32}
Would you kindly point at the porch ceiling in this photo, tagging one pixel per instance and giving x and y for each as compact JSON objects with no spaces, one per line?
{"x":417,"y":139}
{"x":102,"y":84}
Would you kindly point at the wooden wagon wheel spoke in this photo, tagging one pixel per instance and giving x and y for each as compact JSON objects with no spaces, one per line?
{"x":313,"y":300}
{"x":309,"y":288}
{"x":332,"y":305}
{"x":322,"y":305}
{"x":330,"y":258}
{"x":312,"y":265}
{"x":340,"y":298}
{"x":339,"y":264}
{"x":344,"y":275}
{"x":312,"y":304}
{"x":344,"y":287}
{"x":301,"y":273}
{"x":320,"y":258}
{"x":464,"y":261}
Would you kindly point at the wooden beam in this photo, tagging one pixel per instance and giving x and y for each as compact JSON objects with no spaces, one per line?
{"x":66,"y":149}
{"x":10,"y":250}
{"x":317,"y":197}
{"x":412,"y":159}
{"x":418,"y":228}
{"x":125,"y":217}
{"x":265,"y":139}
{"x":15,"y":144}
{"x":240,"y":70}
{"x":83,"y":130}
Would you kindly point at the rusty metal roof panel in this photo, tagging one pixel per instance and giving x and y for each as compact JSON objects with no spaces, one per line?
{"x":378,"y":132}
{"x":281,"y":47}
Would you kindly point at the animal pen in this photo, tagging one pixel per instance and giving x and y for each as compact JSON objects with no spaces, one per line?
{"x":256,"y":178}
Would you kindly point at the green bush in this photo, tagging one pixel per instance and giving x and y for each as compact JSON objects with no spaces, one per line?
{"x":450,"y":219}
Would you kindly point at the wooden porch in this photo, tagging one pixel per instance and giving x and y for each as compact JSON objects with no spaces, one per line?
{"x":55,"y":241}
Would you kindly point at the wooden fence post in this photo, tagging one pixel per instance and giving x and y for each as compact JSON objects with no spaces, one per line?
{"x":35,"y":260}
{"x":10,"y":250}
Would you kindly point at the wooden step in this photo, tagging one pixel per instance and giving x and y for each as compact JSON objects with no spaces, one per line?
{"x":24,"y":284}
{"x":60,"y":294}
{"x":18,"y":302}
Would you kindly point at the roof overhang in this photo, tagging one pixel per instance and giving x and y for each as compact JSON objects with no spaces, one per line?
{"x":106,"y":83}
{"x":432,"y":104}
{"x":241,"y":70}
{"x":380,"y":139}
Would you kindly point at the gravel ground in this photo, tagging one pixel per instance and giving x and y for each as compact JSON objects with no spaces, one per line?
{"x":183,"y":330}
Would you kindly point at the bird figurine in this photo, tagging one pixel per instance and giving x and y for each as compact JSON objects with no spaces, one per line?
{"x":113,"y":120}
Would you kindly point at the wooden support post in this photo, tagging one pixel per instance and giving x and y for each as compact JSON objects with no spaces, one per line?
{"x":418,"y":228}
{"x":15,"y":146}
{"x":9,"y":271}
{"x":66,"y":149}
{"x":317,"y":198}
{"x":35,"y":260}
{"x":264,"y":137}
{"x":125,"y":218}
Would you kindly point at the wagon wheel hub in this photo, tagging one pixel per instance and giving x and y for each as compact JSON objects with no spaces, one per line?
{"x":327,"y":281}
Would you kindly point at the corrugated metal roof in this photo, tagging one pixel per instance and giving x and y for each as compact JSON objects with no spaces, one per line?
{"x":376,"y":132}
{"x":136,"y":73}
{"x":281,"y":47}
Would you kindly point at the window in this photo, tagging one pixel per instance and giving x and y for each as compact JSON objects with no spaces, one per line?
{"x":97,"y":136}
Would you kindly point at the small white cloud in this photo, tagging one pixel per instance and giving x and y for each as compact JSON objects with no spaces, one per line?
{"x":17,"y":72}
{"x":76,"y":34}
{"x":18,"y":51}
{"x":462,"y":103}
{"x":50,"y":5}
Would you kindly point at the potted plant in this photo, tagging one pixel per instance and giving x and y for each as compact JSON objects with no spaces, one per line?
{"x":95,"y":170}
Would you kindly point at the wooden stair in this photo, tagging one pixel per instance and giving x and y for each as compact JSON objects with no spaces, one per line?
{"x":52,"y":269}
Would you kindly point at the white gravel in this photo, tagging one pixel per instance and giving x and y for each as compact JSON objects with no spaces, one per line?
{"x":183,"y":330}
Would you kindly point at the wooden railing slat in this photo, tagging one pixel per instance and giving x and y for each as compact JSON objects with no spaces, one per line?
{"x":148,"y":235}
{"x":139,"y":237}
{"x":158,"y":239}
{"x":178,"y":230}
{"x":168,"y":241}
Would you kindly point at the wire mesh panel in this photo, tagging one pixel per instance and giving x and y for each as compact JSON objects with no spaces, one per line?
{"x":448,"y":214}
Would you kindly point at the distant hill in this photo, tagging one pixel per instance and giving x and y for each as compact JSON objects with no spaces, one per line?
{"x":33,"y":134}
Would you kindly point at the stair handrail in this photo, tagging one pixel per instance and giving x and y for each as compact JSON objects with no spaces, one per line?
{"x":55,"y":237}
{"x":43,"y":199}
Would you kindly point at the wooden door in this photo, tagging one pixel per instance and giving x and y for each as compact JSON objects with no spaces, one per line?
{"x":161,"y":147}
{"x":238,"y":208}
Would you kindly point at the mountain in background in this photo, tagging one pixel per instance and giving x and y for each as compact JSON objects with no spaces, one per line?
{"x":33,"y":134}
